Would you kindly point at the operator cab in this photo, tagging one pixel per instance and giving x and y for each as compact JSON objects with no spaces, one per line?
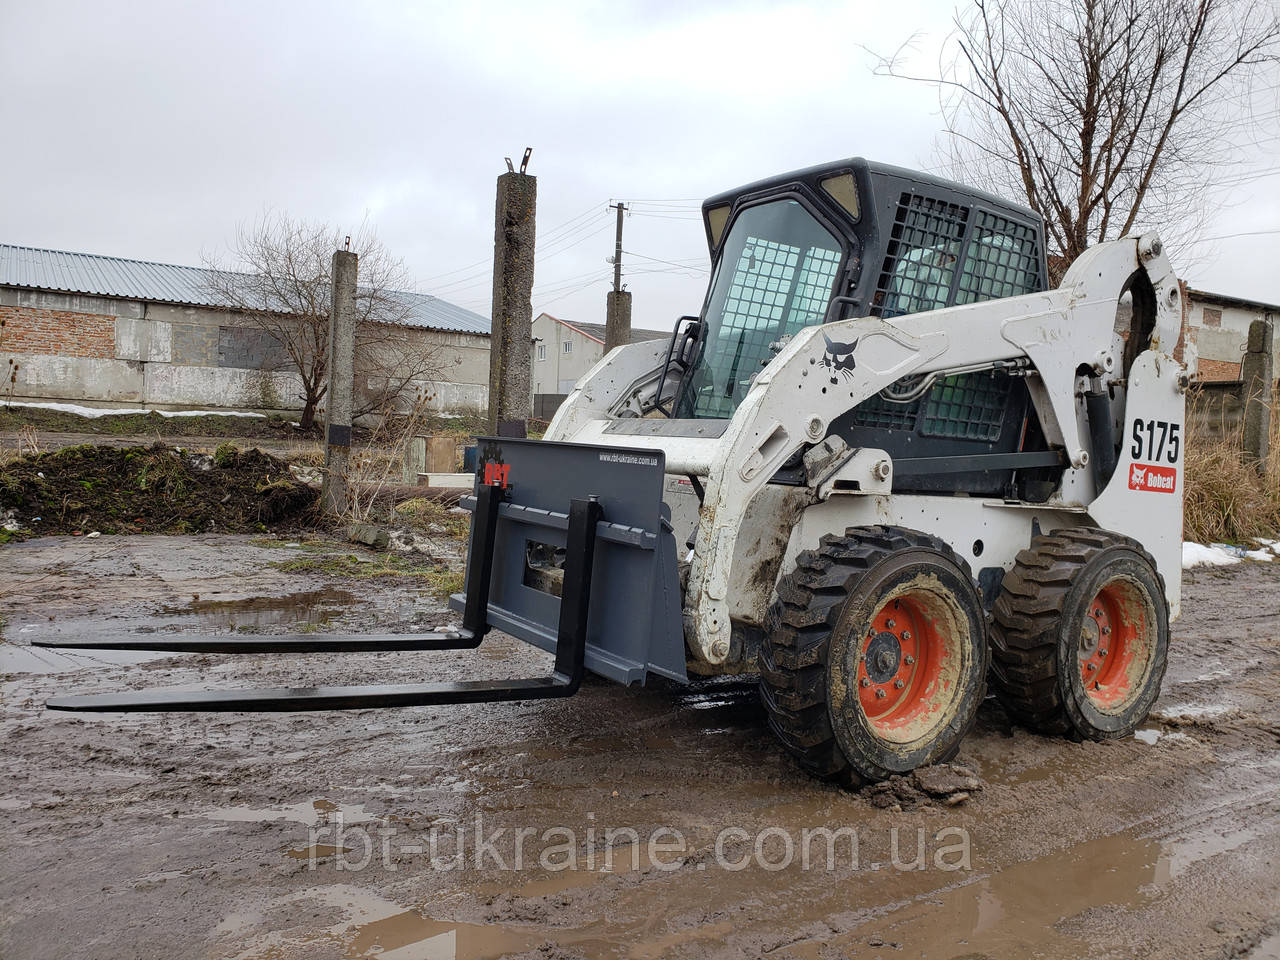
{"x":852,"y":239}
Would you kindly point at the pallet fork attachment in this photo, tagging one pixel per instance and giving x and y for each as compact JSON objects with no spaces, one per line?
{"x":566,"y":677}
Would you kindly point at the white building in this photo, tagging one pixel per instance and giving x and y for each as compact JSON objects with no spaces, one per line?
{"x":563,"y":350}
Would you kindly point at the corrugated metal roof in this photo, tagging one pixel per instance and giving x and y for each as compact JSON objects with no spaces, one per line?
{"x":596,"y":331}
{"x":64,"y":272}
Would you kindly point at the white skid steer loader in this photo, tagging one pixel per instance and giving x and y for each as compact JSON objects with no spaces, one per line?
{"x":882,"y":465}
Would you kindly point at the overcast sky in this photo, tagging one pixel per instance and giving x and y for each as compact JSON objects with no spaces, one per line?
{"x":150,"y":130}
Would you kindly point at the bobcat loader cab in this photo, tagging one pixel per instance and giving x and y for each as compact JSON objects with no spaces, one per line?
{"x":882,"y":464}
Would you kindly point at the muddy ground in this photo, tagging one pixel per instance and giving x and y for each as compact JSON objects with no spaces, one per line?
{"x":218,"y":835}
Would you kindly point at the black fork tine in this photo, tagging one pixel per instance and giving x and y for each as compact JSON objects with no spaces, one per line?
{"x":284,"y":643}
{"x":571,"y":645}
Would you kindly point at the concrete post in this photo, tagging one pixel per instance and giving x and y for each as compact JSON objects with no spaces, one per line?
{"x":1257,"y":370}
{"x":617,"y":319}
{"x":341,"y":369}
{"x":509,"y":346}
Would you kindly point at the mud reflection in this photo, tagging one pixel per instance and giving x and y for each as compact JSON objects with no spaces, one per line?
{"x":314,"y":608}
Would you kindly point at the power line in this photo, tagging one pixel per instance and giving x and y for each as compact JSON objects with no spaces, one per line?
{"x":1232,"y":236}
{"x":482,"y":278}
{"x":691,"y":261}
{"x":589,"y":283}
{"x":549,"y":236}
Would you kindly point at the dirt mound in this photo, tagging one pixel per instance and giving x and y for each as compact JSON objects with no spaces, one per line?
{"x":156,"y":489}
{"x":153,"y":424}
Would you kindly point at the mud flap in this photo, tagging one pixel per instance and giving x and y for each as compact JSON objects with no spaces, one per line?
{"x":633,"y":624}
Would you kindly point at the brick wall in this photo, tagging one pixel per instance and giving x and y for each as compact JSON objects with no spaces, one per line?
{"x":1218,"y":369}
{"x":57,"y":333}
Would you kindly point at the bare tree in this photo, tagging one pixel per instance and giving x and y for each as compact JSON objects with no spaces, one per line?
{"x":279,"y":282}
{"x":1105,"y":115}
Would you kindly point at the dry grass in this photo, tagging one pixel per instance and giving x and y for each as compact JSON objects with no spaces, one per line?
{"x":378,"y":463}
{"x":434,"y":517}
{"x":1227,"y":500}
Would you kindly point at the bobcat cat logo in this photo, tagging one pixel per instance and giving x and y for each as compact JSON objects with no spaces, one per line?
{"x":1139,"y":477}
{"x":838,"y":358}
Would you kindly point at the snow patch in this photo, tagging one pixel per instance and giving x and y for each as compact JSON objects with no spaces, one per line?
{"x":93,"y":412}
{"x":1198,"y":555}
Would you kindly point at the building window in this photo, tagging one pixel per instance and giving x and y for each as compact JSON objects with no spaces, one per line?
{"x":568,"y":346}
{"x":542,"y":351}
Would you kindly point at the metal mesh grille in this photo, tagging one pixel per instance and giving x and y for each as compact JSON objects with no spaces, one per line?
{"x":920,"y":262}
{"x":876,"y":411}
{"x":966,"y":407}
{"x":1002,"y":260}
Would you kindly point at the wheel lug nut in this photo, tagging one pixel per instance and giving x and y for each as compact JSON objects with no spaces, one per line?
{"x":909,"y":659}
{"x":1091,"y":666}
{"x":906,"y":634}
{"x":890,"y":624}
{"x":1102,"y":653}
{"x":1106,"y":630}
{"x":866,"y":682}
{"x":1097,"y":612}
{"x":898,"y":684}
{"x":880,"y":694}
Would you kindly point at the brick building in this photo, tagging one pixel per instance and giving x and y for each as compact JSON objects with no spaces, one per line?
{"x":1218,"y":326}
{"x":108,"y":331}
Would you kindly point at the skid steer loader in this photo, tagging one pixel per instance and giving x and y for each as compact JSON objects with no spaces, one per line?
{"x":882,"y":465}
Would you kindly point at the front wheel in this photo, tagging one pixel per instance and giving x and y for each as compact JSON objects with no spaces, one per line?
{"x":876,"y":655}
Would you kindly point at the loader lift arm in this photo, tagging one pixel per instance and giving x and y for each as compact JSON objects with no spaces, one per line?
{"x":566,"y":677}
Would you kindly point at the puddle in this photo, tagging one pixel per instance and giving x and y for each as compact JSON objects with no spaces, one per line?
{"x":410,"y":936}
{"x":1045,"y":905}
{"x":659,"y":948}
{"x":310,"y":609}
{"x":317,"y":851}
{"x":17,"y":656}
{"x":375,"y":927}
{"x":1153,"y":735}
{"x":309,"y":812}
{"x":314,"y":608}
{"x":1191,"y":712}
{"x":615,"y":861}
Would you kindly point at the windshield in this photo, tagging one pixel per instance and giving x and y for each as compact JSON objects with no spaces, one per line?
{"x":774,"y":276}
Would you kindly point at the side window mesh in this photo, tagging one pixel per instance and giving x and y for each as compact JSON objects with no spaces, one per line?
{"x":920,"y":262}
{"x":966,"y":407}
{"x":876,"y":411}
{"x":1003,"y":260}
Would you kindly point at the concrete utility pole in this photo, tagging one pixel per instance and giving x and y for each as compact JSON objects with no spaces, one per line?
{"x":1257,"y":370}
{"x":617,"y":317}
{"x":338,"y":403}
{"x":509,"y":345}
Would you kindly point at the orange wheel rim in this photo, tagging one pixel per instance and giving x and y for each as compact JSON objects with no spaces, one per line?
{"x":1113,"y":646}
{"x":907,"y":666}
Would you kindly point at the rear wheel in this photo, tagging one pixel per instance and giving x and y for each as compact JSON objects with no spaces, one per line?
{"x":876,"y":655}
{"x":1080,"y":635}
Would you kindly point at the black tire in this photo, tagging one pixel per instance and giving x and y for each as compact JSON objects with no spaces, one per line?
{"x":1080,"y":603}
{"x":811,"y":668}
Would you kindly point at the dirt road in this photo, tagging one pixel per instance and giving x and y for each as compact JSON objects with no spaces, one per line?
{"x":291,"y":836}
